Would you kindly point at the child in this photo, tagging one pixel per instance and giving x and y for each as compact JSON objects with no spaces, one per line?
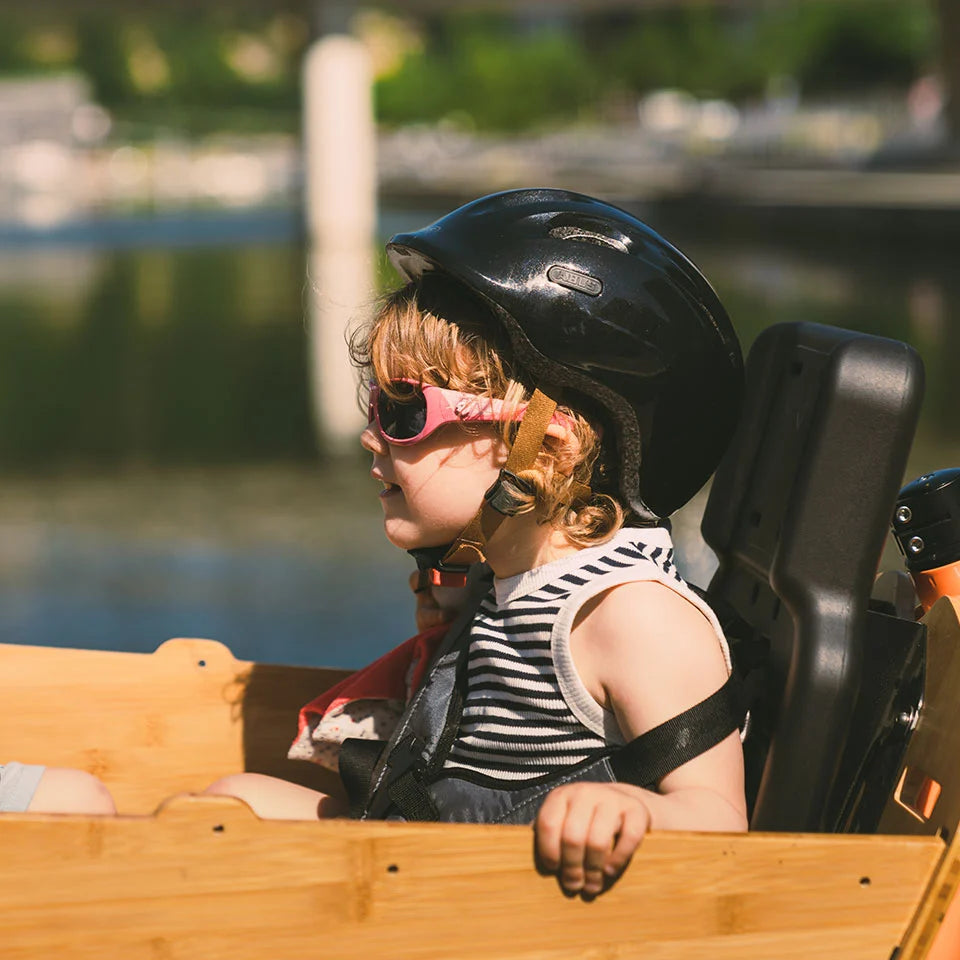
{"x":552,"y":380}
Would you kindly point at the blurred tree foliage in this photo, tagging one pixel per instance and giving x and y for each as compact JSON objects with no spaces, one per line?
{"x":217,"y":67}
{"x":822,"y":45}
{"x":196,"y":70}
{"x":480,"y":69}
{"x":483,"y":68}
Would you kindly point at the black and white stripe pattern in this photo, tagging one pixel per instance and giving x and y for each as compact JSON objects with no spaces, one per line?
{"x":516,"y":723}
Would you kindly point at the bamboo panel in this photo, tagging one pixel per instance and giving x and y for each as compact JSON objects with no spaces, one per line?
{"x":151,"y":725}
{"x":927,"y":933}
{"x":932,"y":751}
{"x":935,"y":744}
{"x":205,"y":880}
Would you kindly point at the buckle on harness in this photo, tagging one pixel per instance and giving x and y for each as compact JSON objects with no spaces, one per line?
{"x":505,"y":493}
{"x":434,"y":572}
{"x":444,"y":577}
{"x":407,"y":791}
{"x":406,"y":756}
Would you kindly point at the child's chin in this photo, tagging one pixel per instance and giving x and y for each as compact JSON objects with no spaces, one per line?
{"x":400,"y":535}
{"x":405,"y":537}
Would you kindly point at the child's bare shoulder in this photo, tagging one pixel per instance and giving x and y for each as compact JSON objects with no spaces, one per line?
{"x":645,"y":650}
{"x":643,"y":614}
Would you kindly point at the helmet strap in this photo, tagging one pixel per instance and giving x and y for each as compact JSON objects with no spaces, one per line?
{"x":500,"y":501}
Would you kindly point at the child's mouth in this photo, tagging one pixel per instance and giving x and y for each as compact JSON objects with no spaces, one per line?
{"x":388,"y":489}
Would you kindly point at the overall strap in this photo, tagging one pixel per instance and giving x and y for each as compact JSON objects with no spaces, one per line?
{"x":408,"y":791}
{"x":411,"y":749}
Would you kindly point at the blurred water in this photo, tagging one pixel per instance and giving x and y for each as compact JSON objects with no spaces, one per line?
{"x":283,"y":562}
{"x":158,"y":470}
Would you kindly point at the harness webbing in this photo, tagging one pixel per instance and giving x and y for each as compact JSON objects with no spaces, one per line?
{"x":647,"y":759}
{"x":411,"y":798}
{"x":358,"y":758}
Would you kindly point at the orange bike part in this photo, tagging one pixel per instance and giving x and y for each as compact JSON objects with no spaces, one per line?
{"x":936,"y":583}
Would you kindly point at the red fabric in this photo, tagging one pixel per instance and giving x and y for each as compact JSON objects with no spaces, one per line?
{"x":384,"y":679}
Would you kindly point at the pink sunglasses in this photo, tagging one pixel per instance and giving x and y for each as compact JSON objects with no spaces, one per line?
{"x":420,"y":409}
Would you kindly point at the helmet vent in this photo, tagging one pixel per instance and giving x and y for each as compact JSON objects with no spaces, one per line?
{"x":570,"y":232}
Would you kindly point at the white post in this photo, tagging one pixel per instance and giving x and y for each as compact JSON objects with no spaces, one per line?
{"x":340,"y":192}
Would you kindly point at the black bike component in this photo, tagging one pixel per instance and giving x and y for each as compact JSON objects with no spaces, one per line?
{"x":797,"y":515}
{"x":888,"y":708}
{"x":926,"y":520}
{"x":595,"y":301}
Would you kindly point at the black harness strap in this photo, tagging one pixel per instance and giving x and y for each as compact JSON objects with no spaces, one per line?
{"x":651,"y":756}
{"x":357,"y":760}
{"x":408,"y":794}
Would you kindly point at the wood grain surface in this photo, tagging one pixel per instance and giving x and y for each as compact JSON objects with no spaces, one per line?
{"x":152,"y":725}
{"x":204,"y":880}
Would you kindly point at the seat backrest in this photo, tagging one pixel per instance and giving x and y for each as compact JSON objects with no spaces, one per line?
{"x":797,"y":515}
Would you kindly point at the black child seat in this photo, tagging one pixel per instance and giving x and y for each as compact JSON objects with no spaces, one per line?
{"x":797,"y":515}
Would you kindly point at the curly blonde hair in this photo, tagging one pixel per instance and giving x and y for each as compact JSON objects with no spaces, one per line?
{"x":406,"y":339}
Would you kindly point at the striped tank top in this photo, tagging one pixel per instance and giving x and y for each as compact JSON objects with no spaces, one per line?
{"x":526,"y":713}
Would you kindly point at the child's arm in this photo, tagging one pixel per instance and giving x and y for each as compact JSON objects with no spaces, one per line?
{"x":273,"y":799}
{"x":646,"y":654}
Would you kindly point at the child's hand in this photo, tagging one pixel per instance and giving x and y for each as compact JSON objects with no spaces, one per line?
{"x":436,"y":605}
{"x":587,"y":832}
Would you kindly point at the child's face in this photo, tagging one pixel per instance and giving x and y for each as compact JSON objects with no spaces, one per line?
{"x":434,"y":487}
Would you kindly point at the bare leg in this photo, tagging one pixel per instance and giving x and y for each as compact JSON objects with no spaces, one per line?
{"x":273,"y":799}
{"x":71,"y":791}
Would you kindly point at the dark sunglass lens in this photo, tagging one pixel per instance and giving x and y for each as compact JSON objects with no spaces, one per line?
{"x":402,"y":418}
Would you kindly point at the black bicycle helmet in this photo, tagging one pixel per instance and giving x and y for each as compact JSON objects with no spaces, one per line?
{"x":596,"y":302}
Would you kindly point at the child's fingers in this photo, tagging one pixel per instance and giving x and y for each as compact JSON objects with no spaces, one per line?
{"x":429,"y":617}
{"x":603,"y":828}
{"x":633,"y":826}
{"x":435,"y":605}
{"x":416,"y":584}
{"x":549,"y":829}
{"x":428,"y":613}
{"x":573,"y":845}
{"x":586,"y":833}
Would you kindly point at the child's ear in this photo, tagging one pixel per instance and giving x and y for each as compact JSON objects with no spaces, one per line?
{"x":567,"y":440}
{"x":560,"y":432}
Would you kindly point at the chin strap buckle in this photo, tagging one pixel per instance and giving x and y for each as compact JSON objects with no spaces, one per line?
{"x":433,"y":572}
{"x":506,"y":493}
{"x":447,"y":578}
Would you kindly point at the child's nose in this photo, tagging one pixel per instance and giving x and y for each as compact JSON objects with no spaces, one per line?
{"x":372,"y":440}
